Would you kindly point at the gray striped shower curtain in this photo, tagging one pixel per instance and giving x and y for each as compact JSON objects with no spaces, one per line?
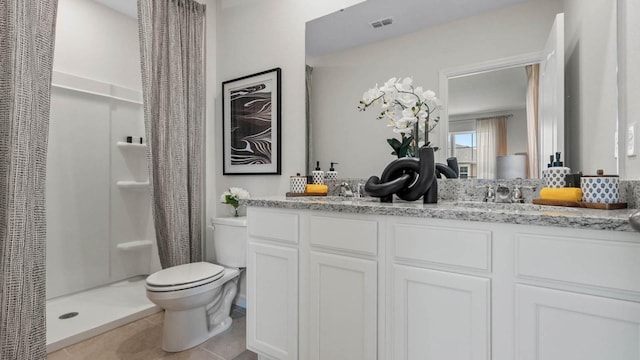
{"x":27,"y":34}
{"x":172,"y":58}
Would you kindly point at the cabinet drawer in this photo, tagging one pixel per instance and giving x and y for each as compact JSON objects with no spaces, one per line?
{"x":359,"y":236}
{"x":467,"y":248}
{"x":601,"y":263}
{"x":273,"y":225}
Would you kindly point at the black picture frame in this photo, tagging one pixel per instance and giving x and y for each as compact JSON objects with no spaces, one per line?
{"x":251,"y":131}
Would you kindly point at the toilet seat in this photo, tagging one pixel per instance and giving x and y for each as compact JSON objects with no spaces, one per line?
{"x":184,"y":277}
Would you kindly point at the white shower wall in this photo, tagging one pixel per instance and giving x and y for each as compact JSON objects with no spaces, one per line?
{"x":88,"y":215}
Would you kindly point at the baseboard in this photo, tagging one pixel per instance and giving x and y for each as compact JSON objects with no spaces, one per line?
{"x":241,"y":301}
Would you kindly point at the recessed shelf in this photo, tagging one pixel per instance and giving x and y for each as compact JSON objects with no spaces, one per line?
{"x":133,"y":185}
{"x":134,"y":245}
{"x":126,"y":145}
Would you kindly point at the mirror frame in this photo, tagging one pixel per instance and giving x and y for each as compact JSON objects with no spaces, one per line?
{"x":621,"y":123}
{"x":473,"y":69}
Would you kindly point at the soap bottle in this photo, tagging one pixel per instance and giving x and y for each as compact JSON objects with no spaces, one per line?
{"x":332,"y":174}
{"x":318,"y":175}
{"x":554,"y":176}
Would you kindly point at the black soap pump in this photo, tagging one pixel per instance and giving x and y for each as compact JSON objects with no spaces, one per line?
{"x":558,"y":163}
{"x":332,"y":174}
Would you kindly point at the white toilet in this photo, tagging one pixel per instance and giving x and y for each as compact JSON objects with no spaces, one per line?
{"x":197,"y":297}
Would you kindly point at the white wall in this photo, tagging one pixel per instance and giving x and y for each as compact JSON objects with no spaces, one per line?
{"x":253,"y":36}
{"x":357,"y":140}
{"x":98,"y":43}
{"x":87,"y":214}
{"x":591,"y":85}
{"x":517,"y":132}
{"x":246,"y":37}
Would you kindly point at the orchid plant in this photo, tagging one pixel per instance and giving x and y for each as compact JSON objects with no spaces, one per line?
{"x":408,"y":110}
{"x":232,"y":196}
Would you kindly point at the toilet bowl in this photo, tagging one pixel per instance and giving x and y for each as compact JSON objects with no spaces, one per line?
{"x":197,"y":297}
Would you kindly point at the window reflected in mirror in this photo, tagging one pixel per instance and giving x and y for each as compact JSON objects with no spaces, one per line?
{"x":463,"y":146}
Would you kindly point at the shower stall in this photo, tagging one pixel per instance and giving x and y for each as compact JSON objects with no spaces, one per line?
{"x":100,"y":235}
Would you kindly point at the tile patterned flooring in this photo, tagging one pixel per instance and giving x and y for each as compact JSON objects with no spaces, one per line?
{"x":142,"y":339}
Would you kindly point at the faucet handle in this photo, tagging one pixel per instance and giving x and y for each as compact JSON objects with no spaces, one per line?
{"x":489,"y":192}
{"x":517,"y":194}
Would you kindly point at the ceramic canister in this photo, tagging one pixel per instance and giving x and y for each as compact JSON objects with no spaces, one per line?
{"x":297,"y":184}
{"x":554,"y":176}
{"x":600,"y":188}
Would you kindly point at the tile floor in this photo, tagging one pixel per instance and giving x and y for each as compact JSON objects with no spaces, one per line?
{"x":141,"y":340}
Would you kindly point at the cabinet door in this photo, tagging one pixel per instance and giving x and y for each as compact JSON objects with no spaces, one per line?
{"x":561,"y":325}
{"x":272,"y":301}
{"x":343,"y":306}
{"x":439,"y":315}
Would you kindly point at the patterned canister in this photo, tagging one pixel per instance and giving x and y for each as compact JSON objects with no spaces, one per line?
{"x":297,"y":184}
{"x":600,"y":188}
{"x":554,"y":176}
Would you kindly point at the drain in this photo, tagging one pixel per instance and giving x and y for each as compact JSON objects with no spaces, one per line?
{"x":68,"y":315}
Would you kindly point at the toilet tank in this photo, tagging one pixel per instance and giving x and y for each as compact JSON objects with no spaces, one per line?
{"x":230,"y":241}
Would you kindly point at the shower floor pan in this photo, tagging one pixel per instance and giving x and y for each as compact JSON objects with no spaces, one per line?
{"x":98,"y":310}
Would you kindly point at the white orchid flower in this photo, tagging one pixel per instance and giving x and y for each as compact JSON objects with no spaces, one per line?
{"x":372,"y":94}
{"x":429,"y":95}
{"x":407,"y":84}
{"x":404,"y":106}
{"x":408,"y":116}
{"x":422,"y":115}
{"x":389,"y":85}
{"x":408,"y":100}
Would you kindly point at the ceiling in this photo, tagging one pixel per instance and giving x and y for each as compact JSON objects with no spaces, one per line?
{"x":492,"y":91}
{"x":351,"y":27}
{"x":127,"y":7}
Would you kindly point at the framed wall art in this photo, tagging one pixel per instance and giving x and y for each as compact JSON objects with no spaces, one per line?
{"x":251,"y":124}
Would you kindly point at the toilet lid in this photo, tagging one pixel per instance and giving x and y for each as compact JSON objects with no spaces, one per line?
{"x":186,"y":274}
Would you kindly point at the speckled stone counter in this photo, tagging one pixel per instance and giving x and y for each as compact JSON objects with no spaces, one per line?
{"x":526,"y":214}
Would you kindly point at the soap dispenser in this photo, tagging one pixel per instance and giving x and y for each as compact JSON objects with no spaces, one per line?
{"x":554,"y":175}
{"x":318,"y":175}
{"x":332,"y":174}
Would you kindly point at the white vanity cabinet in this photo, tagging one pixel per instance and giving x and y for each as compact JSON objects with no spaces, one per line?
{"x":328,"y":285}
{"x":577,"y":295}
{"x":343,"y":287}
{"x":272,"y":283}
{"x":439,"y":311}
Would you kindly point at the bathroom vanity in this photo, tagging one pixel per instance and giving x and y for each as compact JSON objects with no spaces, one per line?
{"x":353,"y":279}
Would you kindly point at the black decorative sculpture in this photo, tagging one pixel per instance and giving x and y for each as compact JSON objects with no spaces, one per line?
{"x":409,"y":178}
{"x":450,"y":171}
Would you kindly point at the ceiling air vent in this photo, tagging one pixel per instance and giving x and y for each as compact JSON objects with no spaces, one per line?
{"x":381,"y":23}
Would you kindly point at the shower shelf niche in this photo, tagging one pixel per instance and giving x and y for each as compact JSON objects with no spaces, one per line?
{"x":134,"y":245}
{"x":126,"y":145}
{"x":133,"y":185}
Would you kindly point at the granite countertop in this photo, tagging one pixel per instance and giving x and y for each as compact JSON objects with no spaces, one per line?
{"x":526,"y":214}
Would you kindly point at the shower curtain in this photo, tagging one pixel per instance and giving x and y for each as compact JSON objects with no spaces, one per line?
{"x":533,"y":79}
{"x":27,"y":30}
{"x":492,"y":142}
{"x":172,"y":51}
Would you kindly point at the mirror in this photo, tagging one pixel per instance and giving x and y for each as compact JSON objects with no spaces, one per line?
{"x":357,"y":141}
{"x":496,"y":97}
